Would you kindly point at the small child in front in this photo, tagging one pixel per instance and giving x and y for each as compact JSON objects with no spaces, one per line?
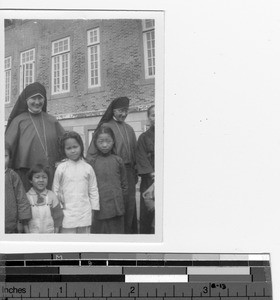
{"x":17,"y":207}
{"x":75,"y":185}
{"x":46,"y":210}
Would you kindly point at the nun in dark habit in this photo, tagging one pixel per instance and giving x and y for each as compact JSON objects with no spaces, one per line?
{"x":125,"y":147}
{"x":32,"y":133}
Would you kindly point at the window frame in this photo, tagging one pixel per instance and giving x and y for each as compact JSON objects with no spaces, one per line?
{"x":91,"y":45}
{"x":8,"y":71}
{"x":60,"y":54}
{"x":148,"y":30}
{"x":23,"y":69}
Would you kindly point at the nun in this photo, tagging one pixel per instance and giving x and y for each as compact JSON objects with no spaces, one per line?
{"x":33,"y":134}
{"x":125,"y":147}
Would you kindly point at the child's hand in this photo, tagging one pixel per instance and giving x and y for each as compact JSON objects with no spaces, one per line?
{"x":150,"y":204}
{"x":26,"y":229}
{"x":56,"y":229}
{"x":149,"y":199}
{"x":149,"y":193}
{"x":61,"y":199}
{"x":20,"y":227}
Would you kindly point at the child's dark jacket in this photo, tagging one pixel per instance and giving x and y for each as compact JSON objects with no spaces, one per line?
{"x":112,"y":185}
{"x":17,"y":207}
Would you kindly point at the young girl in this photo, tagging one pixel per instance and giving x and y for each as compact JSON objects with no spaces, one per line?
{"x":125,"y":147}
{"x":17,"y":207}
{"x":75,"y":185}
{"x":112,"y":184}
{"x":46,"y":210}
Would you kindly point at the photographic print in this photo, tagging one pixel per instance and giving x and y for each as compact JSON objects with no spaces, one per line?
{"x":82,"y":95}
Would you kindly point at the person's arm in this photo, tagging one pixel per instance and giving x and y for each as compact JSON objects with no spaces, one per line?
{"x":23,"y":205}
{"x":93,"y":190}
{"x":25,"y":226}
{"x":56,"y":212}
{"x":12,"y":137}
{"x":143,"y":163}
{"x":149,"y":198}
{"x":92,"y":151}
{"x":56,"y":188}
{"x":59,"y":132}
{"x":124,"y":183}
{"x":133,"y":145}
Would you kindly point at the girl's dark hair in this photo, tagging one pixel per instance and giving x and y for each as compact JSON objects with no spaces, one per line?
{"x":103,"y":129}
{"x":37,"y":169}
{"x":71,"y":135}
{"x":9,"y":149}
{"x":149,"y":109}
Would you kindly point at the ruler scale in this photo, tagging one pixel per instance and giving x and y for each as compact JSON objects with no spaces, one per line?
{"x":154,"y":276}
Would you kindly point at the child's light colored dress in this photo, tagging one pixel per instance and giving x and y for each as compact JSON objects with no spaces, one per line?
{"x":46,"y":214}
{"x":76,"y":182}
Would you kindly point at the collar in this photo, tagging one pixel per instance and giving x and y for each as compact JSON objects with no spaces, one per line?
{"x":117,"y":120}
{"x":33,"y":192}
{"x":33,"y":112}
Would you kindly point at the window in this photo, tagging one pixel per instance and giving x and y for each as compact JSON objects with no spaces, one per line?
{"x":27,"y":68}
{"x":8,"y":67}
{"x":93,"y":43}
{"x":149,"y":47}
{"x":61,"y":66}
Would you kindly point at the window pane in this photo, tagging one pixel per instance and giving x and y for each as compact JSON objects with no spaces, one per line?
{"x":8,"y":62}
{"x":7,"y":85}
{"x":93,"y":36}
{"x":149,"y":24}
{"x":149,"y":39}
{"x":94,"y":65}
{"x":60,"y":46}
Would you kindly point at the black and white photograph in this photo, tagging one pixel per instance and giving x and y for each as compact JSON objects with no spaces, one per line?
{"x":84,"y":83}
{"x":82,"y":96}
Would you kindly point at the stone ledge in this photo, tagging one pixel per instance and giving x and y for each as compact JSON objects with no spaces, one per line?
{"x":89,"y":114}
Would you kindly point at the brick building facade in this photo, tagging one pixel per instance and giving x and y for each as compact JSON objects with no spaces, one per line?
{"x":83,"y":64}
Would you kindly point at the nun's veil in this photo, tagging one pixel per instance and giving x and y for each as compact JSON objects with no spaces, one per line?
{"x":21,"y":104}
{"x":120,"y":102}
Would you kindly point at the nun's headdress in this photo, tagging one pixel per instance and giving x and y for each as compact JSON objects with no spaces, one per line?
{"x":21,"y":104}
{"x":121,"y":102}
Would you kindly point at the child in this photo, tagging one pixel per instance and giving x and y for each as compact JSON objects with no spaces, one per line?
{"x":75,"y":185}
{"x":145,"y":159}
{"x":112,"y":184}
{"x":46,"y":210}
{"x":17,"y":207}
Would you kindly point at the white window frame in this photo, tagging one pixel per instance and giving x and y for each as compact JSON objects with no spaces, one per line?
{"x":8,"y":80}
{"x":61,"y":55}
{"x":93,"y":44}
{"x":27,"y":68}
{"x":149,"y":47}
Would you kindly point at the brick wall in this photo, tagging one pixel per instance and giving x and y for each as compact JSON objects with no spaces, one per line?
{"x":122,"y":63}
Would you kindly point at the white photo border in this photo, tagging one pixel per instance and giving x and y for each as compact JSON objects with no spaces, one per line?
{"x":159,"y":136}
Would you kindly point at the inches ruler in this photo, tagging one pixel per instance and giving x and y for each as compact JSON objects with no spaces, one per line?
{"x":138,"y":276}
